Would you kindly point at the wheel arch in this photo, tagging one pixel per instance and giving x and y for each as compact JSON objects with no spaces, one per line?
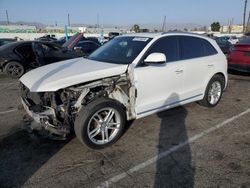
{"x":12,"y":60}
{"x":224,"y":78}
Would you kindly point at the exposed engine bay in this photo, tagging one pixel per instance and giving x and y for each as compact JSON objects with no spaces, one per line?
{"x":55,"y":112}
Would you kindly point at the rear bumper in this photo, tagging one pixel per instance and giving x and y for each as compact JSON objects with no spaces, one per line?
{"x":41,"y":121}
{"x":239,"y":67}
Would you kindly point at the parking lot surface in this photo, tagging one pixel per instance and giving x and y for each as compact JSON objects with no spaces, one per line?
{"x":188,"y":146}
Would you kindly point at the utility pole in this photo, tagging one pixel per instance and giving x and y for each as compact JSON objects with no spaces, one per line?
{"x":244,"y":16}
{"x":164,"y":25}
{"x":248,"y":23}
{"x":68,"y":21}
{"x":7,"y":16}
{"x":97,"y":21}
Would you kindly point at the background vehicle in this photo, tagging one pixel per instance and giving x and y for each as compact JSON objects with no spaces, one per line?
{"x":47,"y":38}
{"x":18,"y":57}
{"x":113,"y":35}
{"x":60,"y":41}
{"x":4,"y":41}
{"x":233,"y":39}
{"x":224,"y":44}
{"x":82,"y":48}
{"x":239,"y":57}
{"x":130,"y":77}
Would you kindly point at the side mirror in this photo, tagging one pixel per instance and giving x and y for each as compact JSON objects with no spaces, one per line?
{"x":156,"y":58}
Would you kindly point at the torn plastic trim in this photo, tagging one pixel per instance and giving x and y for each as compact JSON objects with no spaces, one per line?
{"x":81,"y":97}
{"x":118,"y":88}
{"x":41,"y":120}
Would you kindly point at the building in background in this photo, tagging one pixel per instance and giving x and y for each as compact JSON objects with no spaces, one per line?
{"x":236,"y":29}
{"x":56,"y":29}
{"x":17,"y":29}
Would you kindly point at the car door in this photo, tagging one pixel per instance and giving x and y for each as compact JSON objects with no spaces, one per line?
{"x":52,"y":53}
{"x":197,"y":54}
{"x":159,"y":85}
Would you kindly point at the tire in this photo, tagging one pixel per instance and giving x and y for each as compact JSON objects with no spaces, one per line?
{"x":14,"y":69}
{"x":213,"y":92}
{"x":91,"y":127}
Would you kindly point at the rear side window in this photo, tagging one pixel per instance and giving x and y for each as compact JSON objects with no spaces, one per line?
{"x":208,"y":48}
{"x":194,"y":47}
{"x":25,"y":50}
{"x":190,"y":47}
{"x":168,"y":46}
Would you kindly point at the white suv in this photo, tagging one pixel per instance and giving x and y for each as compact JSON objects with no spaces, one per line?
{"x":130,"y":77}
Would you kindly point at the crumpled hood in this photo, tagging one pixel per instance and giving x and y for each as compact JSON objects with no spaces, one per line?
{"x":67,"y":73}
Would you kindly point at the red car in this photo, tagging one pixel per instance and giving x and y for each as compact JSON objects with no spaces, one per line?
{"x":239,"y":56}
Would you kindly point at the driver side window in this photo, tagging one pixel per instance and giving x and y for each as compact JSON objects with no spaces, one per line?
{"x":167,"y":46}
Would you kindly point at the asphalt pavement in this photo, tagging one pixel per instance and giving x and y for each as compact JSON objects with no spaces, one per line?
{"x":188,"y":146}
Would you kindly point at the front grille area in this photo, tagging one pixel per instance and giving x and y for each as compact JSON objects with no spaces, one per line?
{"x":34,"y":98}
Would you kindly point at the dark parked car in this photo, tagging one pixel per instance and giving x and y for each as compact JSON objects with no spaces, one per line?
{"x":113,"y":35}
{"x":47,"y":38}
{"x":239,"y":56}
{"x":84,"y":48}
{"x":224,"y":44}
{"x":60,"y":41}
{"x":4,"y":41}
{"x":82,"y":45}
{"x":18,"y":57}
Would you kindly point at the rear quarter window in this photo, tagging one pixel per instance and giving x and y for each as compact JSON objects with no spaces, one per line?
{"x":208,"y":48}
{"x":190,"y":47}
{"x":194,"y":47}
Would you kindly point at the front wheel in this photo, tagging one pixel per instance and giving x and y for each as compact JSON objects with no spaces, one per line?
{"x":213,"y":92}
{"x":100,"y":123}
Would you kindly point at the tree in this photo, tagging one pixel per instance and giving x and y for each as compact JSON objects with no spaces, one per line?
{"x":136,"y":28}
{"x":215,"y":26}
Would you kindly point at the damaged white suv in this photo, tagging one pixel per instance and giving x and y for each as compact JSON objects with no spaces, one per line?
{"x":130,"y":77}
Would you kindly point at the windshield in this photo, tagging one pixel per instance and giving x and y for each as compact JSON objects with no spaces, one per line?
{"x":120,"y":50}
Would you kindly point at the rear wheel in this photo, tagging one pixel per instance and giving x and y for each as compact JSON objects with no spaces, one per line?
{"x":214,"y":91}
{"x":100,"y":124}
{"x":14,"y":69}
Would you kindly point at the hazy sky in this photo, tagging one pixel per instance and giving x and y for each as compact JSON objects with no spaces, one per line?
{"x":123,"y":12}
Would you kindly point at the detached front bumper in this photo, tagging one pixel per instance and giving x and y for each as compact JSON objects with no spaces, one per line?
{"x":41,"y":121}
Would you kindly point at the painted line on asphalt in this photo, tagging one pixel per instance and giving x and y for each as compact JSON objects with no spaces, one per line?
{"x":8,"y":111}
{"x":10,"y":83}
{"x":169,"y":151}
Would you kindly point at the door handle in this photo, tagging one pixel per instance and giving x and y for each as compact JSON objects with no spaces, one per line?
{"x":179,"y":71}
{"x":210,"y":65}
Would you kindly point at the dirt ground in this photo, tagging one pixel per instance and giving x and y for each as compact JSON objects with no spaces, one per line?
{"x":220,"y":158}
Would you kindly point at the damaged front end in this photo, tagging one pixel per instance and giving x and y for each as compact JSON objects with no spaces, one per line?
{"x":55,"y":112}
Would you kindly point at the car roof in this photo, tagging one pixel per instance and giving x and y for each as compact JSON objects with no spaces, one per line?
{"x":149,"y":35}
{"x":160,"y":34}
{"x":9,"y":39}
{"x":13,"y":45}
